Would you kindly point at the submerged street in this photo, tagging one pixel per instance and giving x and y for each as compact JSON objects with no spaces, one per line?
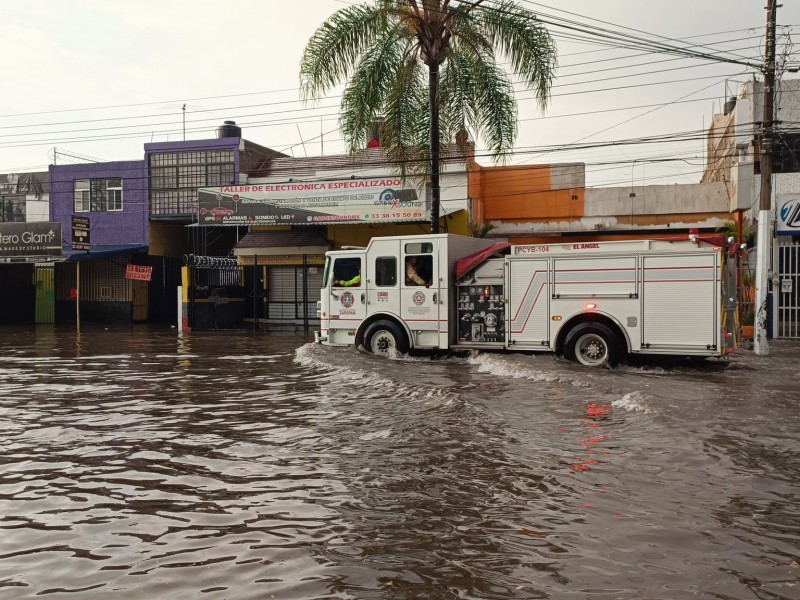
{"x":139,"y":463}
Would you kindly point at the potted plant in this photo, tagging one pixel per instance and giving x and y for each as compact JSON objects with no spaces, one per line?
{"x":749,"y":229}
{"x":748,"y":318}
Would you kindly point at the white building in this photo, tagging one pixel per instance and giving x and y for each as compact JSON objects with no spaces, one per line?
{"x":734,"y":158}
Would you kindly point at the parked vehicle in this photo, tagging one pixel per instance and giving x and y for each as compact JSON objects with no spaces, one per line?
{"x":593,"y":302}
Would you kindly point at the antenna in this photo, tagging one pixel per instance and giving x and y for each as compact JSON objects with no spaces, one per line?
{"x":71,"y":157}
{"x":183,"y":107}
{"x":301,"y":140}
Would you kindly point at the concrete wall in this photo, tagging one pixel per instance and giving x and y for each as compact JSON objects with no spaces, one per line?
{"x":128,"y":226}
{"x":656,"y":200}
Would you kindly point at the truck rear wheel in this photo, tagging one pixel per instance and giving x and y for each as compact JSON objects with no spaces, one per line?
{"x":384,"y":337}
{"x":593,"y":345}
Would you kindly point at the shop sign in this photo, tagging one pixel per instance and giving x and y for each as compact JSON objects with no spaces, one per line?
{"x":81,"y":233}
{"x":788,"y":217}
{"x":30,"y":239}
{"x":264,"y":261}
{"x":329,"y":202}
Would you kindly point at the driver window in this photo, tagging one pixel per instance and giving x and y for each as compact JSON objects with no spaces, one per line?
{"x":347,"y":272}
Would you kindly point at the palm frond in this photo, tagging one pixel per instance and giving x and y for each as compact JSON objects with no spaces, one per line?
{"x":524,"y":42}
{"x":371,"y":82}
{"x":335,"y":48}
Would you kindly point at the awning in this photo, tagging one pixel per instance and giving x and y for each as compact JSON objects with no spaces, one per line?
{"x":466,"y":264}
{"x":281,"y":243}
{"x":98,"y":252}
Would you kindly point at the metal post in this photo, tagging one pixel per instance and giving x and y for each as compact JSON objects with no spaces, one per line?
{"x":78,"y":294}
{"x":763,"y":255}
{"x":305,"y":293}
{"x":192,"y":291}
{"x":256,"y":294}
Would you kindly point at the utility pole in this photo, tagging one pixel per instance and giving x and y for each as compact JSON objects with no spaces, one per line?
{"x":769,"y":109}
{"x":764,"y":247}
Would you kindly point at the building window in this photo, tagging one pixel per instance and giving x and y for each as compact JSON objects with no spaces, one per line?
{"x":786,"y":153}
{"x":176,"y":176}
{"x":98,"y":195}
{"x":13,"y":209}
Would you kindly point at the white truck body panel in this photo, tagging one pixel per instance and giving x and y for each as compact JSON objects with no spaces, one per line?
{"x":657,"y":296}
{"x":678,"y":304}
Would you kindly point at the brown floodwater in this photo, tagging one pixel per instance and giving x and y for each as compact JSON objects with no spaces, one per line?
{"x":139,"y":463}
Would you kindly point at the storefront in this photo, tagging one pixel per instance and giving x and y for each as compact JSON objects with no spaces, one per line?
{"x":28,"y":252}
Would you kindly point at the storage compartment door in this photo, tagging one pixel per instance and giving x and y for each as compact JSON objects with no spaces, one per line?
{"x":527,"y":313}
{"x":680,"y":305}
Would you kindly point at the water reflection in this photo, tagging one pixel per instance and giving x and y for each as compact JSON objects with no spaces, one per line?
{"x":144,"y":463}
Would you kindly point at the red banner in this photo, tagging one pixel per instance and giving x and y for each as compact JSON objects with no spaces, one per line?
{"x":138,"y":272}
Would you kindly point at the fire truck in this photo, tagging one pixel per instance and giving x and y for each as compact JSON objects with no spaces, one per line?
{"x":594,"y":303}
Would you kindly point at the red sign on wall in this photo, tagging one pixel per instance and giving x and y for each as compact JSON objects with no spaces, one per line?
{"x":138,"y":272}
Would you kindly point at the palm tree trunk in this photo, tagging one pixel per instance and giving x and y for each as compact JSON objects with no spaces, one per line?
{"x":433,"y":98}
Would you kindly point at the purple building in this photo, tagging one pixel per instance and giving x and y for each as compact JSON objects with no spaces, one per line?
{"x":112,"y":195}
{"x":138,"y":213}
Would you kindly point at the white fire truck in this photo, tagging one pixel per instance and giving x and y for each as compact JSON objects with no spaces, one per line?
{"x":592,"y":302}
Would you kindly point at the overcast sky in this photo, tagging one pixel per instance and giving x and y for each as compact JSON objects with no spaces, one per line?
{"x":99,"y":78}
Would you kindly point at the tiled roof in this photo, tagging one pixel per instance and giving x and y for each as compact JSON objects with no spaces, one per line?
{"x":282,"y":238}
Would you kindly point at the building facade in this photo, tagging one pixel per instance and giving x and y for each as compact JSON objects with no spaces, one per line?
{"x":542,"y":203}
{"x":27,"y":286}
{"x":734,"y":158}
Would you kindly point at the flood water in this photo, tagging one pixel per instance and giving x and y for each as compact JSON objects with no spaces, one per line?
{"x":138,"y":463}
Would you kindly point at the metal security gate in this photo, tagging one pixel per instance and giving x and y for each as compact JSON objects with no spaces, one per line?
{"x":293,"y":292}
{"x":45,"y":293}
{"x":216,"y":296}
{"x":787,"y":292}
{"x":139,"y":312}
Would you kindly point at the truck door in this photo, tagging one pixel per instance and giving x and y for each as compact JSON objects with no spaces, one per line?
{"x":348,"y":297}
{"x":420,"y":292}
{"x":385,"y":277}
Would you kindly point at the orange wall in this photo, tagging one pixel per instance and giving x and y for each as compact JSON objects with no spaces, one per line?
{"x":522,"y":193}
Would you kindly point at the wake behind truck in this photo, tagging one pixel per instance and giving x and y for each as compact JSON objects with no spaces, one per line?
{"x":593,"y":302}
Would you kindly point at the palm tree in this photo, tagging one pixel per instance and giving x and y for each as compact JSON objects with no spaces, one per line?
{"x":384,"y":47}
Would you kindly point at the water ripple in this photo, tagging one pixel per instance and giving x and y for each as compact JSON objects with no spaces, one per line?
{"x":241,"y":466}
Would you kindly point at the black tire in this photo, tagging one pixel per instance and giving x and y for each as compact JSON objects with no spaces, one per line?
{"x":384,"y":337}
{"x":592,"y":345}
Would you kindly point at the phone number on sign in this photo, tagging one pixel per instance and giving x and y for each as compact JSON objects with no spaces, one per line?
{"x":414,"y":214}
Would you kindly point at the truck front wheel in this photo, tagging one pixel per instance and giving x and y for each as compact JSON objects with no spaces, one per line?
{"x":384,"y":338}
{"x":593,"y":345}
